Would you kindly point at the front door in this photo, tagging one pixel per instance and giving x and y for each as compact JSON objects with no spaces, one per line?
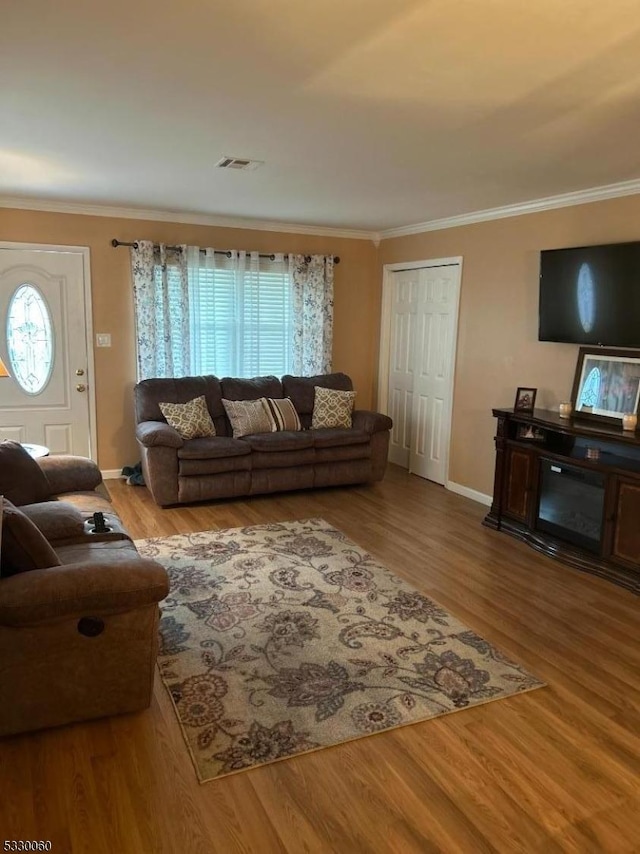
{"x":43,"y":343}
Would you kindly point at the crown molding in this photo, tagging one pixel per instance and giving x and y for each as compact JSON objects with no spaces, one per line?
{"x":52,"y":206}
{"x":579,"y":197}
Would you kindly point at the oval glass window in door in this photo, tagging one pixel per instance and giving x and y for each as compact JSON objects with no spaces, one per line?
{"x":30,"y":339}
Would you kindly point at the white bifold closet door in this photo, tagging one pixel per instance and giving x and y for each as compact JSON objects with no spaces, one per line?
{"x":424,"y":316}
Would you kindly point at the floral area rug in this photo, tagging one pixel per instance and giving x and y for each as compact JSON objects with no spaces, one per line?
{"x":284,"y":638}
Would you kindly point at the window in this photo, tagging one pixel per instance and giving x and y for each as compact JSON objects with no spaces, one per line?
{"x":230,"y":313}
{"x":30,"y":339}
{"x":241,"y":319}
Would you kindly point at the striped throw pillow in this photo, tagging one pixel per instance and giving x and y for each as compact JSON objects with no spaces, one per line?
{"x":282,"y":413}
{"x":332,"y":408}
{"x":247,"y":417}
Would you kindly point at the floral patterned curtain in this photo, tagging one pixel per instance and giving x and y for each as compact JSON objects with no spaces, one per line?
{"x":161,"y":299}
{"x":312,"y":313}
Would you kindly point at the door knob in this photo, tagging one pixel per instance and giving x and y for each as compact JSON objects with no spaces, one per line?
{"x":81,"y":387}
{"x":79,"y":372}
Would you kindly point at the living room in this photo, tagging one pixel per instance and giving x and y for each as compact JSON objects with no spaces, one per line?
{"x":488,"y":781}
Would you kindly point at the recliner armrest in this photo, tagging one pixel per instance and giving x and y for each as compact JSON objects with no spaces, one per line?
{"x":81,"y":589}
{"x":67,"y":473}
{"x":151,"y":433}
{"x":371,"y":422}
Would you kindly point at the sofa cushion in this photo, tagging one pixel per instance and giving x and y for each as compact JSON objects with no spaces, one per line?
{"x":70,"y":473}
{"x":98,"y":551}
{"x":109,"y":589}
{"x":283,"y":459}
{"x":57,"y":520}
{"x":212,"y":448}
{"x":301,"y":390}
{"x":87,"y":503}
{"x":234,"y":388}
{"x":337,"y":473}
{"x":224,"y":485}
{"x":247,"y":417}
{"x":286,"y":440}
{"x":214,"y":465}
{"x":24,"y":546}
{"x":191,"y":419}
{"x":338,"y":437}
{"x":277,"y":480}
{"x":332,"y":408}
{"x":149,"y":393}
{"x":342,"y":453}
{"x":22,"y":481}
{"x":282,"y":413}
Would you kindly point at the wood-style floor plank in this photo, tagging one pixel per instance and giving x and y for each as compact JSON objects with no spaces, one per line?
{"x":553,"y":770}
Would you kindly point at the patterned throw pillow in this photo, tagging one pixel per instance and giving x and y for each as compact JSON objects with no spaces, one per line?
{"x":282,"y":413}
{"x":332,"y":408}
{"x":247,"y":417}
{"x":191,"y":420}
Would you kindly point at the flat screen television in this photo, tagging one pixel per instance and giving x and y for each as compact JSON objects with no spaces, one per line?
{"x":591,"y":295}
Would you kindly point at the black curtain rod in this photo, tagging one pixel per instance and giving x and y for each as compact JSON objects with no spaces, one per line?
{"x":115,"y":243}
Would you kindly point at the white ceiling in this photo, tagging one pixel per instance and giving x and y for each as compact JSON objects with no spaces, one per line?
{"x":369,"y":114}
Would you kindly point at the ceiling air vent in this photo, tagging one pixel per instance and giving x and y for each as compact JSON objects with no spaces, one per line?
{"x":239,"y":163}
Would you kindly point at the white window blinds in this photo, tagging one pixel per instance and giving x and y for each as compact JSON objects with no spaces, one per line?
{"x":241,"y":314}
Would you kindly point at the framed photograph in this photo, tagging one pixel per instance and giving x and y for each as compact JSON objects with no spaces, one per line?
{"x":525,"y":399}
{"x":606,"y":384}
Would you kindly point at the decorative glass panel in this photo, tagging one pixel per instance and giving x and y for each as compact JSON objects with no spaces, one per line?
{"x":591,"y":389}
{"x":30,"y":339}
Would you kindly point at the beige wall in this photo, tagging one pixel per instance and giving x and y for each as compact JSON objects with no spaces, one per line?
{"x":355,"y":322}
{"x":498,"y":348}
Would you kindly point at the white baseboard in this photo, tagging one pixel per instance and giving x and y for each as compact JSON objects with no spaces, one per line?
{"x":111,"y":474}
{"x":473,"y":494}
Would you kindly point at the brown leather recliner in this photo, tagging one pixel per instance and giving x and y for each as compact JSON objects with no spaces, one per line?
{"x":77,"y":640}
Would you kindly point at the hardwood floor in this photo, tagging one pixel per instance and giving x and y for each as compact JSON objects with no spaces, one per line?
{"x":554,"y":770}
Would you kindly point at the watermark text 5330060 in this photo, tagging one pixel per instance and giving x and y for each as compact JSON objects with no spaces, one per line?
{"x":26,"y":845}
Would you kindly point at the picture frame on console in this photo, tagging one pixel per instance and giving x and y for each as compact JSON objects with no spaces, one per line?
{"x":525,"y":400}
{"x":606,"y":384}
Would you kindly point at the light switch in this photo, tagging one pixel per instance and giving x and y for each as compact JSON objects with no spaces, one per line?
{"x":103,"y":339}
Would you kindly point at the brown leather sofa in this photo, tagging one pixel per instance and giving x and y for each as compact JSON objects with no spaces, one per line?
{"x":178,"y":471}
{"x":78,"y":640}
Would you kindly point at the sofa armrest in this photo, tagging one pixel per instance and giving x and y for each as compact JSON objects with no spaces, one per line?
{"x":80,"y":589}
{"x":371,"y":422}
{"x":66,"y":473}
{"x":151,"y":433}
